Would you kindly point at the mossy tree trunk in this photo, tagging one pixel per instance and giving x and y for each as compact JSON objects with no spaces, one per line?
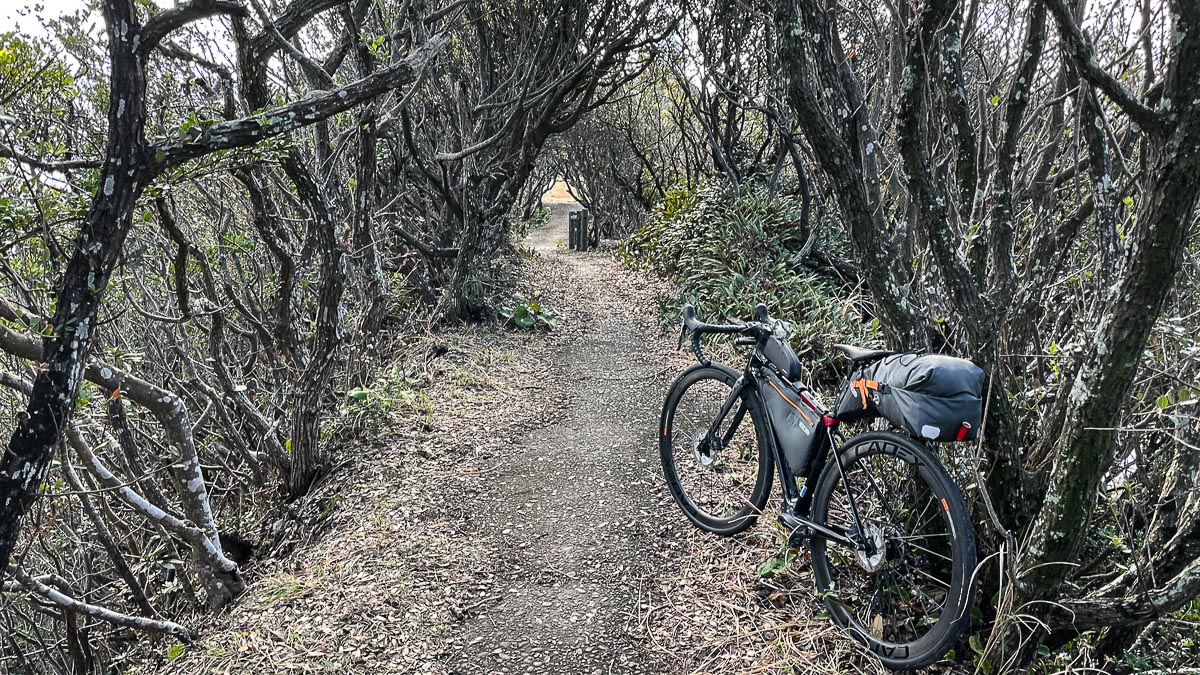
{"x":1046,"y":496}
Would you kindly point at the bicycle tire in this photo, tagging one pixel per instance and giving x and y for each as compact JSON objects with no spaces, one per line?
{"x":745,"y":516}
{"x":898,"y":549}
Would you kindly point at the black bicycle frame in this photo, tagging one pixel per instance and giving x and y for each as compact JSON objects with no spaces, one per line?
{"x":797,"y":500}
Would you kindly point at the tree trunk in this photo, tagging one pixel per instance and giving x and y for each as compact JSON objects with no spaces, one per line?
{"x":1083,"y":449}
{"x":846,"y":153}
{"x":309,"y":459}
{"x":98,"y":247}
{"x":373,"y":283}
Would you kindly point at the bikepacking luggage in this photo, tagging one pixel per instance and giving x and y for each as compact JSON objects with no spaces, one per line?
{"x":795,"y":420}
{"x":780,"y":354}
{"x":934,"y":397}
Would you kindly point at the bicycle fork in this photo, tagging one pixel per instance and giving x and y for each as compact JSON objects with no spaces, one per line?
{"x":735,"y":395}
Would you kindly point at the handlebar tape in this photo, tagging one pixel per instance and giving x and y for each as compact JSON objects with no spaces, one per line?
{"x":704,"y":360}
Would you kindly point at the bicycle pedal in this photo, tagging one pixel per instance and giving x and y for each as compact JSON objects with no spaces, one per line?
{"x":798,"y":538}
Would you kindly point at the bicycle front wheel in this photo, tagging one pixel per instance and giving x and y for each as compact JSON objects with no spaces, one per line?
{"x":907,"y":596}
{"x":721,"y":484}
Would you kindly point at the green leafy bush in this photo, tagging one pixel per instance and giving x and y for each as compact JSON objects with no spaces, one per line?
{"x":529,"y":313}
{"x":728,"y":251}
{"x":400,"y":389}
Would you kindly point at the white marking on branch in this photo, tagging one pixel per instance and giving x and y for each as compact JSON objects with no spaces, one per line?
{"x":38,"y":586}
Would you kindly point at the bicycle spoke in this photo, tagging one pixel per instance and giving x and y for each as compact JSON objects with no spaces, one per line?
{"x":932,"y":578}
{"x":922,"y":536}
{"x":885,"y":498}
{"x":897,"y":589}
{"x":939,"y":555}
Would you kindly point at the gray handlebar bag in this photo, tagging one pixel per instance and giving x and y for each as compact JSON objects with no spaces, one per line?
{"x":933,"y":397}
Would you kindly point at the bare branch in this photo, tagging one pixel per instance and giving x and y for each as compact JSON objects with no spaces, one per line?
{"x":1080,"y":50}
{"x":38,"y":585}
{"x":9,"y":152}
{"x":1002,"y":270}
{"x":161,"y":25}
{"x":931,"y":212}
{"x":295,"y":17}
{"x":251,"y":130}
{"x":314,"y":69}
{"x":1090,"y":614}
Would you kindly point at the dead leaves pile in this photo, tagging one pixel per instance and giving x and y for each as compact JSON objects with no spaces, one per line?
{"x":396,"y":565}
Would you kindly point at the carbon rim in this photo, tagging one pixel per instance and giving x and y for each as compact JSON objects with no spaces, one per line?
{"x":904,"y":601}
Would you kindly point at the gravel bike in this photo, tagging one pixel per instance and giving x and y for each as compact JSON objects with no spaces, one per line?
{"x":892,"y":546}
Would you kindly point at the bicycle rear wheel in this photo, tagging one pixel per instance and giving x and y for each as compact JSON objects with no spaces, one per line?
{"x":721,"y":487}
{"x":908,"y":599}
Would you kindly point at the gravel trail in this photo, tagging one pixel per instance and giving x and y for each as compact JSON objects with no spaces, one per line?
{"x":504,"y":512}
{"x":575,"y":501}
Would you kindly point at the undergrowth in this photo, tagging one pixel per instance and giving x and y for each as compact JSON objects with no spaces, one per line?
{"x":727,"y":251}
{"x":493,"y":291}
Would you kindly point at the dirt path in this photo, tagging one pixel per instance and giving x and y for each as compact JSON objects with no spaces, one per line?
{"x":576,"y":501}
{"x":506,"y":514}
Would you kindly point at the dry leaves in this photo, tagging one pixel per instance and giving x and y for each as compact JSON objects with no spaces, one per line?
{"x":397,"y":571}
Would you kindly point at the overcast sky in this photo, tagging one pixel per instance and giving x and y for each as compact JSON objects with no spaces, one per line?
{"x":23,"y":12}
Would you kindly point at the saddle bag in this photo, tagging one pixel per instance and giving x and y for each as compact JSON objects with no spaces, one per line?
{"x":934,"y":397}
{"x":857,"y":400}
{"x":795,"y":420}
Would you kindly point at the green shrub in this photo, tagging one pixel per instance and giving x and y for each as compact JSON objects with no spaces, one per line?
{"x":529,"y":313}
{"x":728,"y":251}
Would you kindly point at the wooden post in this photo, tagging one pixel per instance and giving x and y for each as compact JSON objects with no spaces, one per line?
{"x":573,"y":236}
{"x":585,"y":221}
{"x":593,"y":231}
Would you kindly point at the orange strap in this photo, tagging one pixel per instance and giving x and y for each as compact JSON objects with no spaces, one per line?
{"x":789,"y":402}
{"x":862,"y":385}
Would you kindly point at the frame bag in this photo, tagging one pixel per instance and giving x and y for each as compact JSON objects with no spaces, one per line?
{"x":933,"y":397}
{"x":794,"y":420}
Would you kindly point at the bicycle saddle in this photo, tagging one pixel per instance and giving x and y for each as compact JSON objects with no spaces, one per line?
{"x":860,"y":354}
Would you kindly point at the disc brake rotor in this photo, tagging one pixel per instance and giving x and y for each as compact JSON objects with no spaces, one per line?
{"x":875,"y":561}
{"x":705,"y":456}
